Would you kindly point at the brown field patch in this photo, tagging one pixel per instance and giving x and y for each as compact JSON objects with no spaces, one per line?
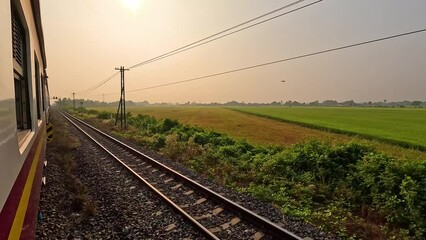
{"x":259,"y":130}
{"x":255,"y":129}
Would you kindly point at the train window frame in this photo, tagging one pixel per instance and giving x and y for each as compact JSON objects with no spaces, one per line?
{"x":22,"y":80}
{"x":43,"y":78}
{"x":37,"y":85}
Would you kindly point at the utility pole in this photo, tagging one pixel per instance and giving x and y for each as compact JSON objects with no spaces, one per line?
{"x":73,"y":100}
{"x":121,"y":110}
{"x":103,"y":97}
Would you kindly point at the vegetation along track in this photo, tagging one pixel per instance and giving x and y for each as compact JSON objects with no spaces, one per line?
{"x":214,"y":215}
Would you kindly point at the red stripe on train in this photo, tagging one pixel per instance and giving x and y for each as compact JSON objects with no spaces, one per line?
{"x":29,"y":227}
{"x":8,"y":212}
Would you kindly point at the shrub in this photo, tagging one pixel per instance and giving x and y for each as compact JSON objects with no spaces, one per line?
{"x":81,"y":110}
{"x":315,"y":181}
{"x":398,"y":188}
{"x":167,"y":124}
{"x":173,"y":148}
{"x":92,"y":111}
{"x":103,"y":115}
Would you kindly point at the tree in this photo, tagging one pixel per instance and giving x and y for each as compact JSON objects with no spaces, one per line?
{"x":416,"y":104}
{"x":330,"y":103}
{"x":349,"y":103}
{"x":314,"y":103}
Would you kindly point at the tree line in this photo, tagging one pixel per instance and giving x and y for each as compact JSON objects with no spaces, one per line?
{"x":68,"y":102}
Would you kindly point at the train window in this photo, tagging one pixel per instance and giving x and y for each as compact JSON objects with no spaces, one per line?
{"x":43,"y":84}
{"x":37,"y":85}
{"x":23,"y":116}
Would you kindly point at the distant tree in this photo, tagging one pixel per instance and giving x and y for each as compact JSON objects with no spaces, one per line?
{"x":296,"y":103}
{"x":144,"y":103}
{"x":288,"y":103}
{"x":416,"y":104}
{"x":314,"y":103}
{"x":349,"y":103}
{"x":232,"y":103}
{"x":330,"y":103}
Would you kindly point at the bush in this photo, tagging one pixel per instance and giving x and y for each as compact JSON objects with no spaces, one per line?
{"x":167,"y":124}
{"x":103,"y":115}
{"x":92,"y":111}
{"x":335,"y":186}
{"x":81,"y":110}
{"x":397,"y":188}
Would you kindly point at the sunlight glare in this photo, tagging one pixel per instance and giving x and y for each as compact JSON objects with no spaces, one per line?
{"x":131,"y":5}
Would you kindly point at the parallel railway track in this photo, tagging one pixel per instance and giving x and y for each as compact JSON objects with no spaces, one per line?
{"x":211,"y":213}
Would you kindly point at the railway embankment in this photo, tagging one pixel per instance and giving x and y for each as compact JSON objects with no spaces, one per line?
{"x":64,"y":201}
{"x":350,"y":189}
{"x":88,"y":197}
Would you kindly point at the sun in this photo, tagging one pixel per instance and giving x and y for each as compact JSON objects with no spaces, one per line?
{"x":132,"y":5}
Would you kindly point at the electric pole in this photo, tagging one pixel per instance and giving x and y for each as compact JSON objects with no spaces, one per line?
{"x":121,"y":110}
{"x":73,"y":100}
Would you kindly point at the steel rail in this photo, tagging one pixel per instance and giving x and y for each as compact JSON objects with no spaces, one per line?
{"x":194,"y":222}
{"x":266,"y":225}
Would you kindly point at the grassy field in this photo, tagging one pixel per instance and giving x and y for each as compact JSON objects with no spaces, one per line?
{"x":349,"y":189}
{"x":260,"y":130}
{"x":394,"y":125}
{"x":253,"y":128}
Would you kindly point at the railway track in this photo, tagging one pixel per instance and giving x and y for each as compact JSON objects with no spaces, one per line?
{"x":215,"y":216}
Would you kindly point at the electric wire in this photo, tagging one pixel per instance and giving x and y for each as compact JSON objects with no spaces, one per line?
{"x":185,"y":48}
{"x":281,"y":60}
{"x":91,"y":89}
{"x":181,"y":49}
{"x":217,"y":38}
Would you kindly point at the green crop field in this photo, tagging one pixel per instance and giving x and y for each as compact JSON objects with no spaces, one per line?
{"x":262,"y":130}
{"x":337,"y":184}
{"x":253,"y":128}
{"x":337,"y":181}
{"x":393,"y":125}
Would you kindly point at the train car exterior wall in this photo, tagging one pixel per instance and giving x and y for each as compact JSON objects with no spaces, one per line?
{"x":21,"y":148}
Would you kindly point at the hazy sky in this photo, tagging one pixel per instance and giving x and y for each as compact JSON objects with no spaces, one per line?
{"x":86,"y":39}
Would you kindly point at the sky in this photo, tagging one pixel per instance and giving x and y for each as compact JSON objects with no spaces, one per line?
{"x":87,"y":39}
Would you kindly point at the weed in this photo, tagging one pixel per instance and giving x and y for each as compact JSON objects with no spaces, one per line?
{"x":341,"y":187}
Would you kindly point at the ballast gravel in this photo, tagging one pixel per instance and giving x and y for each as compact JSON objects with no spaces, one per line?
{"x":266,"y":210}
{"x":124,"y":209}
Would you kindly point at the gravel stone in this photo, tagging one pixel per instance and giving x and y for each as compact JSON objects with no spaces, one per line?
{"x":264,"y":209}
{"x":126,"y":209}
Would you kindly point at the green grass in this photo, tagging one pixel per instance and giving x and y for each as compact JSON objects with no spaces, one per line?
{"x":255,"y":129}
{"x":349,"y":189}
{"x":263,"y":130}
{"x":405,"y":127}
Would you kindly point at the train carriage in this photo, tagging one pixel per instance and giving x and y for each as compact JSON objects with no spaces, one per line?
{"x":24,"y":106}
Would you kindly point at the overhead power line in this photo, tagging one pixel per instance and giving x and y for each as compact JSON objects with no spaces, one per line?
{"x":185,"y":48}
{"x":201,"y":41}
{"x":92,"y":88}
{"x":282,"y":60}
